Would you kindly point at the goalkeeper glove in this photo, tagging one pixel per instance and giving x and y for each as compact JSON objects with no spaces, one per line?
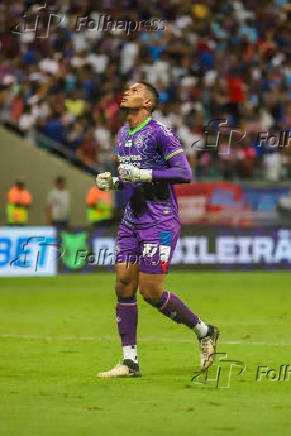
{"x":130,"y":173}
{"x":105,"y":182}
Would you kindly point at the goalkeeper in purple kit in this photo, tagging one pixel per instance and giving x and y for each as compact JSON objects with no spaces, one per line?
{"x":151,"y":161}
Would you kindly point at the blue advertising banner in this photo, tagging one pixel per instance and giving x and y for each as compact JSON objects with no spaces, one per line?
{"x":264,"y":198}
{"x":28,"y":251}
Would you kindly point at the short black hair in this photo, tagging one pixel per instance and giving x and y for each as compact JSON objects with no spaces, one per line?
{"x":19,"y":184}
{"x":60,"y":179}
{"x":154,"y":93}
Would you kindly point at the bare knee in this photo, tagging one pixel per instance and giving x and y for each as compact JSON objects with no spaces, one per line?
{"x":125,"y":286}
{"x":151,"y":294}
{"x":126,"y":280}
{"x":151,"y":287}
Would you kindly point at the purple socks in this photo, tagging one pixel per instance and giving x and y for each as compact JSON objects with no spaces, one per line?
{"x":126,"y":318}
{"x":170,"y":306}
{"x":174,"y":308}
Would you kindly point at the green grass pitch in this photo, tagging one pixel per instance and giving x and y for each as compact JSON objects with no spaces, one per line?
{"x":57,"y":333}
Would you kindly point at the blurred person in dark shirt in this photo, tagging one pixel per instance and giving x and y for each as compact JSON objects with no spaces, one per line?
{"x":75,"y":136}
{"x":89,"y":150}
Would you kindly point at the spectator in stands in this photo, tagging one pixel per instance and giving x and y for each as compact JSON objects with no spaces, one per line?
{"x":26,"y":120}
{"x":75,"y":136}
{"x":221,"y":59}
{"x":245,"y":160}
{"x":17,"y":107}
{"x":53,"y":127}
{"x":19,"y":200}
{"x":58,"y":206}
{"x":98,"y":205}
{"x":75,"y":105}
{"x":103,"y":137}
{"x":88,"y":151}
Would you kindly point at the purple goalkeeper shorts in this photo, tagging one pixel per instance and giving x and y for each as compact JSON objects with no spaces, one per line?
{"x":151,"y":247}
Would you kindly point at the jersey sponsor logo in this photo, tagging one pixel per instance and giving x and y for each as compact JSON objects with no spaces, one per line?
{"x":138,"y":141}
{"x":149,"y":250}
{"x":133,"y":159}
{"x":165,"y":239}
{"x":128,"y":143}
{"x":165,"y":251}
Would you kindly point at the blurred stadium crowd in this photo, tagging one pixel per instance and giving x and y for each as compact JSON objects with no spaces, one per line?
{"x":216,"y":59}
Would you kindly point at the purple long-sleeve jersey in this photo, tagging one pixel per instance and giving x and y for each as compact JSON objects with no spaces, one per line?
{"x":154,"y":146}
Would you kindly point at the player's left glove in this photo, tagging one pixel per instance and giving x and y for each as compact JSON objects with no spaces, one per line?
{"x":130,"y":173}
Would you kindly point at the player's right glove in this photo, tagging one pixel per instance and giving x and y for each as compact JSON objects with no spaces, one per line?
{"x":105,"y":182}
{"x":130,"y":173}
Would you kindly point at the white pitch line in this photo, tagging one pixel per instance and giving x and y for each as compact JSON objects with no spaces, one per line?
{"x":143,"y":339}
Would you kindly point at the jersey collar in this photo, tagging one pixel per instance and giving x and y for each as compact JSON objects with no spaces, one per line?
{"x":131,"y":132}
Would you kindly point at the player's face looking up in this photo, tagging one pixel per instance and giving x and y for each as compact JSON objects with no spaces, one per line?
{"x":136,"y":97}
